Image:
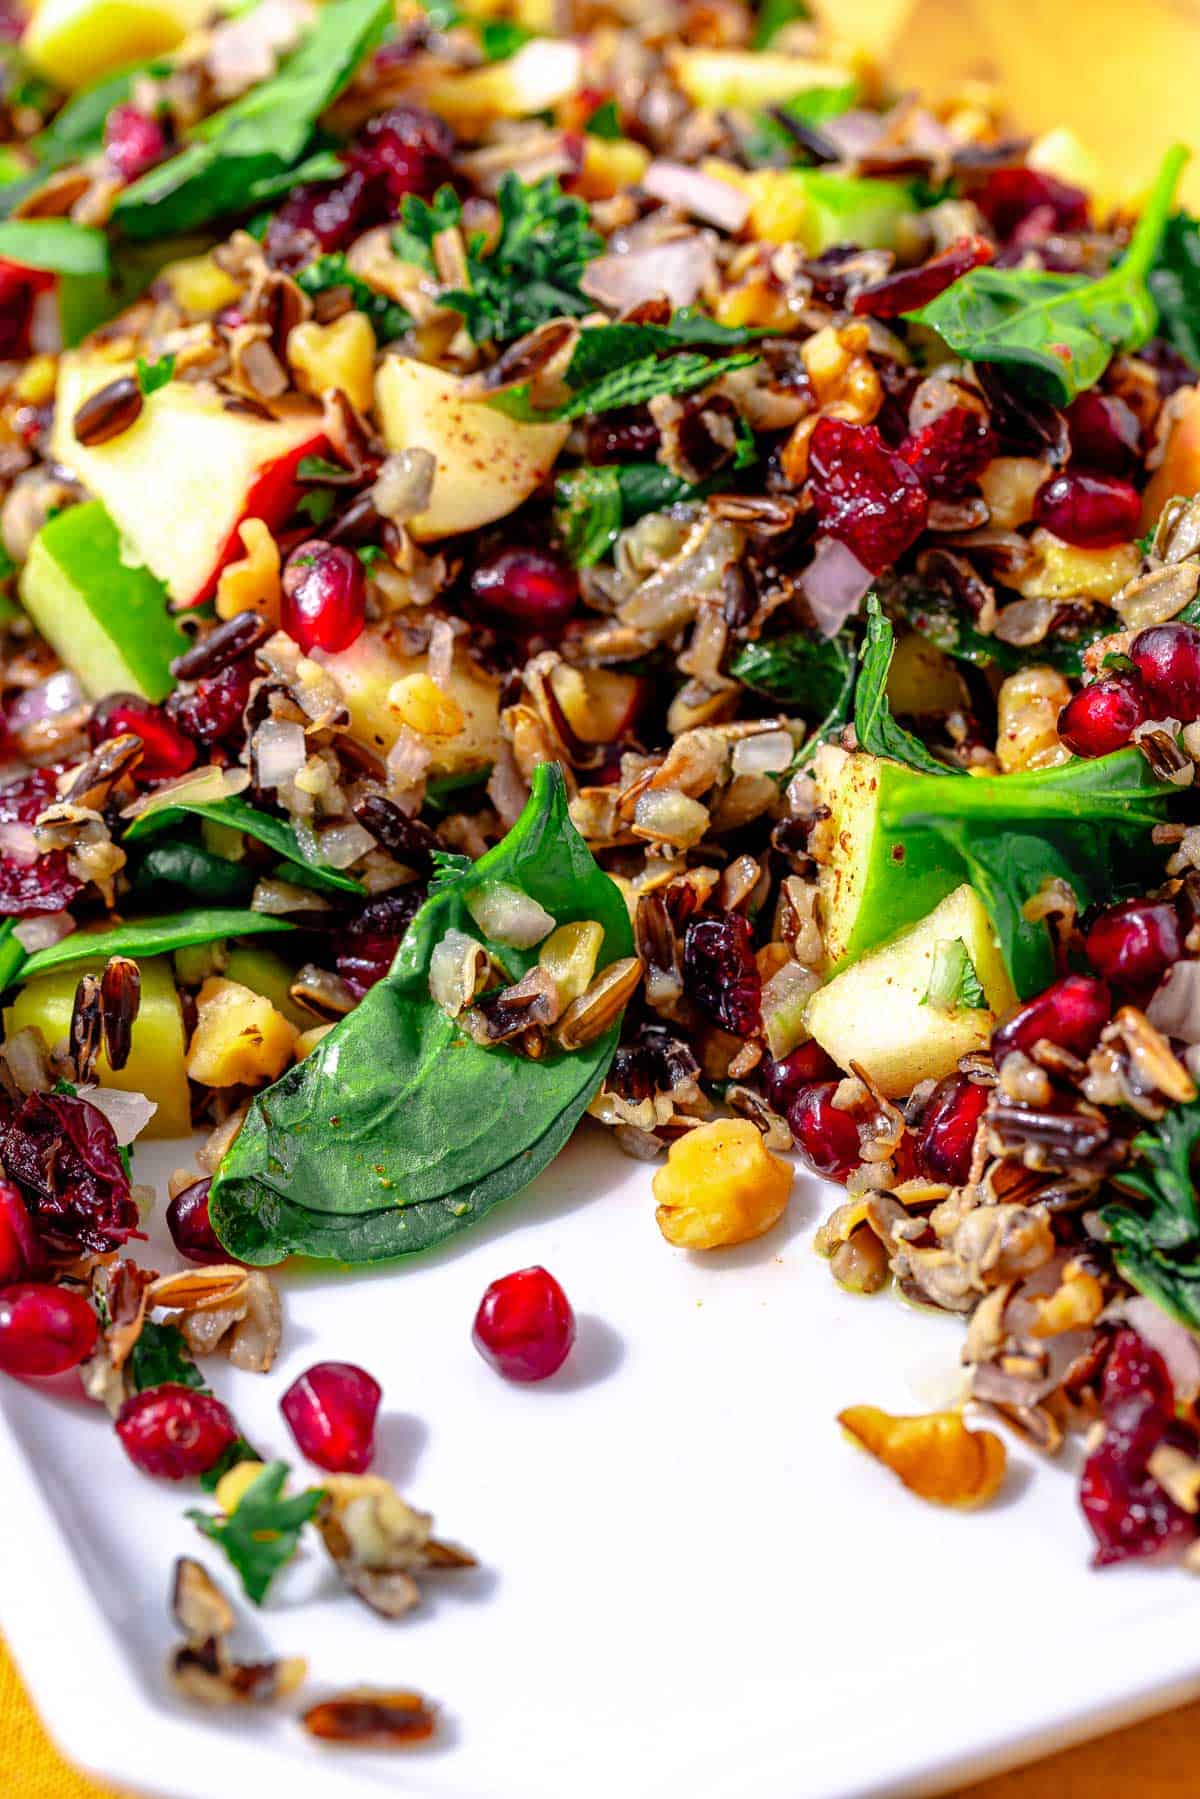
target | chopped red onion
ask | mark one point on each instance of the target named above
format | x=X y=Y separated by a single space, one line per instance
x=61 y=693
x=679 y=268
x=704 y=196
x=44 y=932
x=1175 y=1008
x=1173 y=1341
x=834 y=585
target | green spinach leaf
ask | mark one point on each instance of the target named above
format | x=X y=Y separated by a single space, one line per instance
x=238 y=815
x=931 y=617
x=398 y=1131
x=877 y=730
x=1175 y=284
x=1063 y=330
x=193 y=870
x=1157 y=1246
x=161 y=1355
x=808 y=672
x=262 y=1533
x=12 y=954
x=57 y=245
x=138 y=937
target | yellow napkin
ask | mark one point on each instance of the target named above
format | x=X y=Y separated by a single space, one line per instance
x=30 y=1765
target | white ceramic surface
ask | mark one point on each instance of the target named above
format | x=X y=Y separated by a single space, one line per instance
x=692 y=1587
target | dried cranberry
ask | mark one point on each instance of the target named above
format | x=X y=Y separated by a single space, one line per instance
x=1105 y=433
x=133 y=141
x=911 y=289
x=174 y=1432
x=331 y=1413
x=529 y=589
x=1091 y=511
x=1133 y=943
x=865 y=494
x=1135 y=1370
x=369 y=943
x=29 y=882
x=44 y=1330
x=825 y=1136
x=1103 y=717
x=324 y=596
x=524 y=1326
x=19 y=288
x=191 y=1227
x=628 y=434
x=1130 y=1514
x=320 y=217
x=212 y=711
x=407 y=148
x=721 y=975
x=1070 y=1013
x=950 y=453
x=781 y=1079
x=20 y=1250
x=1167 y=658
x=63 y=1154
x=948 y=1125
x=166 y=752
x=1010 y=196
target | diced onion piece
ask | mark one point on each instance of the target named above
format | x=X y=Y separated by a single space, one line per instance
x=60 y=693
x=706 y=197
x=455 y=969
x=767 y=754
x=667 y=816
x=569 y=956
x=1174 y=1342
x=834 y=583
x=785 y=998
x=34 y=934
x=678 y=268
x=202 y=787
x=280 y=751
x=129 y=1113
x=506 y=915
x=1175 y=1008
x=342 y=844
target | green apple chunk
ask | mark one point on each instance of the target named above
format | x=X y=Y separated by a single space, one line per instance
x=880 y=1014
x=877 y=878
x=845 y=209
x=108 y=622
x=156 y=1061
x=180 y=481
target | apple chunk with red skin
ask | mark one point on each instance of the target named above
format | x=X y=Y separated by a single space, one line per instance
x=181 y=480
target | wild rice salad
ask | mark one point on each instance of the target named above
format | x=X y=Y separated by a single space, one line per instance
x=561 y=561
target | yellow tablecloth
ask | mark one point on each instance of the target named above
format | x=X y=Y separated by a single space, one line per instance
x=1155 y=1760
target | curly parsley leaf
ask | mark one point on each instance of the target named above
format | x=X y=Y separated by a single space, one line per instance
x=421 y=223
x=1063 y=330
x=388 y=317
x=877 y=730
x=1174 y=282
x=1157 y=1247
x=262 y=1533
x=153 y=375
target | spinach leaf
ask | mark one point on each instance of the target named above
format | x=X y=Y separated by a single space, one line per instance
x=1157 y=1247
x=1063 y=329
x=260 y=136
x=810 y=673
x=152 y=937
x=501 y=38
x=194 y=870
x=238 y=815
x=877 y=730
x=262 y=1533
x=398 y=1131
x=57 y=245
x=1174 y=282
x=633 y=385
x=773 y=15
x=389 y=319
x=588 y=513
x=161 y=1355
x=12 y=954
x=75 y=133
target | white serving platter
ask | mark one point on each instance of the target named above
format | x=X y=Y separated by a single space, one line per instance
x=691 y=1585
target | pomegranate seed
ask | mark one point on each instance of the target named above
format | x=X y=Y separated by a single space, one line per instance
x=781 y=1079
x=826 y=1136
x=1010 y=196
x=20 y=1249
x=1103 y=717
x=213 y=712
x=865 y=494
x=1091 y=511
x=44 y=1330
x=721 y=975
x=524 y=1326
x=174 y=1432
x=529 y=589
x=407 y=148
x=191 y=1228
x=324 y=596
x=947 y=1135
x=1105 y=433
x=914 y=288
x=133 y=141
x=1135 y=942
x=1167 y=658
x=331 y=1413
x=950 y=453
x=1070 y=1013
x=166 y=752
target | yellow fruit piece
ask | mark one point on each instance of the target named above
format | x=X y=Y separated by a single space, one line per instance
x=426 y=708
x=721 y=1185
x=754 y=302
x=264 y=972
x=569 y=956
x=367 y=672
x=232 y=1488
x=750 y=78
x=923 y=682
x=1027 y=709
x=935 y=1455
x=1179 y=471
x=37 y=381
x=1008 y=484
x=239 y=1039
x=1065 y=572
x=155 y=1065
x=543 y=72
x=609 y=166
x=338 y=355
x=77 y=41
x=199 y=284
x=779 y=207
x=252 y=583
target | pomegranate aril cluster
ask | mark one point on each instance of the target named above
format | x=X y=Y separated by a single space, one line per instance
x=525 y=590
x=1102 y=717
x=1070 y=1014
x=1166 y=660
x=191 y=1227
x=946 y=1138
x=1133 y=943
x=133 y=141
x=1092 y=511
x=825 y=1135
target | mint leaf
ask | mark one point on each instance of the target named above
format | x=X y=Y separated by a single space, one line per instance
x=1157 y=1245
x=588 y=513
x=1174 y=282
x=153 y=375
x=877 y=731
x=262 y=1534
x=603 y=349
x=634 y=385
x=388 y=318
x=605 y=121
x=161 y=1355
x=807 y=672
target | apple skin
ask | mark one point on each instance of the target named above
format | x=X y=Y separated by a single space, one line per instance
x=273 y=498
x=1179 y=471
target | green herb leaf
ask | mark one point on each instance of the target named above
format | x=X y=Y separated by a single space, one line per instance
x=877 y=730
x=195 y=871
x=398 y=1131
x=501 y=38
x=239 y=816
x=808 y=672
x=153 y=375
x=768 y=141
x=588 y=513
x=389 y=319
x=57 y=245
x=12 y=954
x=605 y=121
x=955 y=635
x=139 y=937
x=634 y=385
x=421 y=221
x=1062 y=329
x=1157 y=1246
x=953 y=982
x=261 y=136
x=262 y=1533
x=161 y=1355
x=773 y=15
x=606 y=349
x=1174 y=282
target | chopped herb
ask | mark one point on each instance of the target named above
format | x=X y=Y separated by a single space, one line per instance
x=161 y=1355
x=153 y=375
x=605 y=121
x=773 y=15
x=633 y=385
x=501 y=38
x=809 y=673
x=1157 y=1248
x=262 y=1533
x=589 y=513
x=1175 y=283
x=320 y=468
x=768 y=140
x=369 y=554
x=953 y=982
x=606 y=349
x=877 y=730
x=388 y=318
